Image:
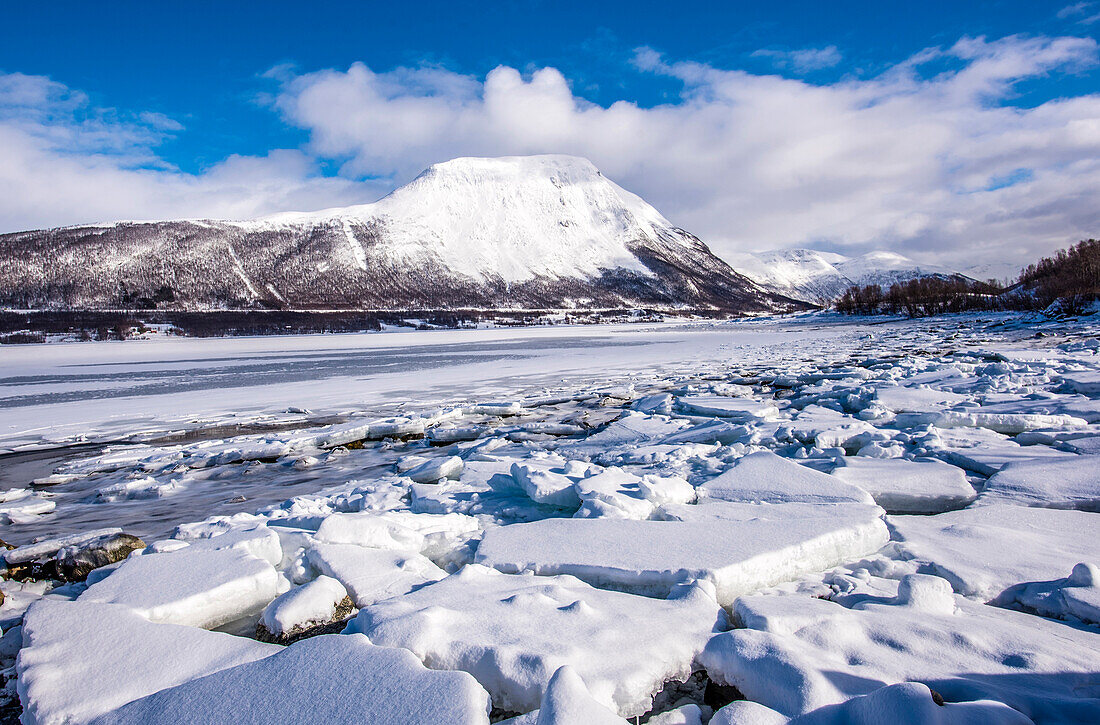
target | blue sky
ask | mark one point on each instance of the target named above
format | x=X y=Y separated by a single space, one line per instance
x=143 y=110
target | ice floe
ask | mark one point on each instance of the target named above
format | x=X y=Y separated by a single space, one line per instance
x=480 y=621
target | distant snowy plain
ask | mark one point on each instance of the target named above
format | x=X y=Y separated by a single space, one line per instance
x=813 y=519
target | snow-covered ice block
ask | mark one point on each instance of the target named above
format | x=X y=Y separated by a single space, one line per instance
x=373 y=574
x=545 y=485
x=81 y=660
x=1008 y=423
x=741 y=409
x=764 y=477
x=568 y=702
x=898 y=399
x=1085 y=382
x=1072 y=483
x=827 y=428
x=906 y=703
x=1076 y=597
x=370 y=529
x=986 y=452
x=657 y=403
x=797 y=654
x=21 y=506
x=329 y=679
x=713 y=431
x=49 y=547
x=197 y=588
x=259 y=541
x=982 y=550
x=512 y=632
x=613 y=492
x=436 y=468
x=926 y=486
x=498 y=409
x=297 y=610
x=738 y=547
x=634 y=428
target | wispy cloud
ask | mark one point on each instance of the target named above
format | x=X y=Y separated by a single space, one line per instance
x=803 y=60
x=66 y=161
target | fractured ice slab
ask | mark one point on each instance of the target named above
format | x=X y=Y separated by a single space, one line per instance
x=764 y=477
x=330 y=679
x=738 y=547
x=926 y=486
x=512 y=632
x=798 y=653
x=986 y=452
x=373 y=574
x=568 y=702
x=197 y=588
x=916 y=399
x=1071 y=483
x=982 y=550
x=740 y=409
x=80 y=660
x=1076 y=597
x=906 y=703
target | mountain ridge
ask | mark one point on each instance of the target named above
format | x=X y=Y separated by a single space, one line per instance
x=819 y=277
x=514 y=232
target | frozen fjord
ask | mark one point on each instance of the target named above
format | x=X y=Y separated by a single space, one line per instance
x=495 y=504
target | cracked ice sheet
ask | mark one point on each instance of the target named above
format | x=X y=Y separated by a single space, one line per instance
x=738 y=547
x=331 y=678
x=983 y=550
x=480 y=621
x=1073 y=483
x=151 y=384
x=797 y=654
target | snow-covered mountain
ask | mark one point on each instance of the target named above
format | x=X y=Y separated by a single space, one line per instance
x=505 y=233
x=812 y=276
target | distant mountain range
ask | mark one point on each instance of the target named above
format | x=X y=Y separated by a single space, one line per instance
x=537 y=232
x=817 y=277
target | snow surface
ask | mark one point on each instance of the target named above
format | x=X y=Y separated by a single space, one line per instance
x=796 y=654
x=982 y=550
x=480 y=621
x=925 y=486
x=764 y=477
x=376 y=685
x=80 y=660
x=736 y=547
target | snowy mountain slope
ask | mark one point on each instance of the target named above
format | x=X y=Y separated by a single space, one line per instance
x=813 y=276
x=507 y=233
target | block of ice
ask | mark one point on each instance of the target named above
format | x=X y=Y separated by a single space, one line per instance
x=925 y=486
x=197 y=588
x=982 y=550
x=738 y=547
x=764 y=477
x=330 y=679
x=482 y=622
x=80 y=660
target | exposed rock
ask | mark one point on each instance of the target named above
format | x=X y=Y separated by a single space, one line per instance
x=74 y=563
x=334 y=625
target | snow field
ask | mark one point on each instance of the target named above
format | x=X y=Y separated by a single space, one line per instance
x=801 y=524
